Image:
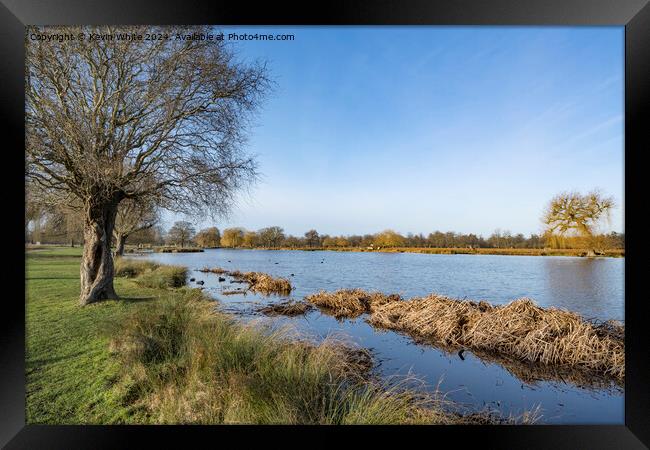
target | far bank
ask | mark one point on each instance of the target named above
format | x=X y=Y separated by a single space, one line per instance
x=610 y=253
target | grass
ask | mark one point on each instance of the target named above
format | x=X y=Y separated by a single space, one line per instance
x=166 y=356
x=130 y=268
x=69 y=371
x=519 y=330
x=164 y=277
x=150 y=274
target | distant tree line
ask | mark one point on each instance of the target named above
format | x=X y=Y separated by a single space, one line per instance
x=62 y=229
x=571 y=222
x=274 y=237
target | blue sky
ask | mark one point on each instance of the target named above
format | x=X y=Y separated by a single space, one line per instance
x=433 y=128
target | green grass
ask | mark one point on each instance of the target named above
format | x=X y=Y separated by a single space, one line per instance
x=166 y=356
x=69 y=369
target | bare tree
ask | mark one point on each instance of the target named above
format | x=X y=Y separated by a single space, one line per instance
x=133 y=215
x=271 y=236
x=109 y=120
x=574 y=214
x=312 y=238
x=181 y=232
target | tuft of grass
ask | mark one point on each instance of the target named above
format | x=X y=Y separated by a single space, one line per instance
x=130 y=268
x=164 y=277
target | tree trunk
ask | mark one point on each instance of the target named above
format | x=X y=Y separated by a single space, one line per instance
x=120 y=241
x=97 y=269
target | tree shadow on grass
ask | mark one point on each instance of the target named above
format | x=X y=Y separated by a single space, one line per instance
x=36 y=364
x=51 y=278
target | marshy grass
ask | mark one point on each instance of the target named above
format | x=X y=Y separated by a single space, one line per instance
x=289 y=308
x=259 y=282
x=350 y=302
x=265 y=283
x=184 y=363
x=520 y=330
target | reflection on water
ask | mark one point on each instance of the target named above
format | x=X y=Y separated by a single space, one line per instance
x=593 y=287
x=590 y=287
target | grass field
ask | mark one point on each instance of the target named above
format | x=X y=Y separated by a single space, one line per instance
x=68 y=367
x=164 y=355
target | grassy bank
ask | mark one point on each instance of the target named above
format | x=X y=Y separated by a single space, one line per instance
x=163 y=355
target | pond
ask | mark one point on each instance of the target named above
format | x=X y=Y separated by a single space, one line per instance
x=593 y=288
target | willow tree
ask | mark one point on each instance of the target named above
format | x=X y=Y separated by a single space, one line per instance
x=109 y=120
x=208 y=237
x=571 y=214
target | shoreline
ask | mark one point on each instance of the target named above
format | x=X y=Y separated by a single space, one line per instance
x=614 y=253
x=154 y=352
x=572 y=252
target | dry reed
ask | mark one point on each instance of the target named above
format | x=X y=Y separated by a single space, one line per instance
x=265 y=283
x=350 y=302
x=519 y=330
x=260 y=282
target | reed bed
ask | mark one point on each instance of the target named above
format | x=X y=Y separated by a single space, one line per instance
x=260 y=282
x=520 y=330
x=265 y=283
x=350 y=302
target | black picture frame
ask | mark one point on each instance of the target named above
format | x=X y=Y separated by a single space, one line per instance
x=633 y=14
